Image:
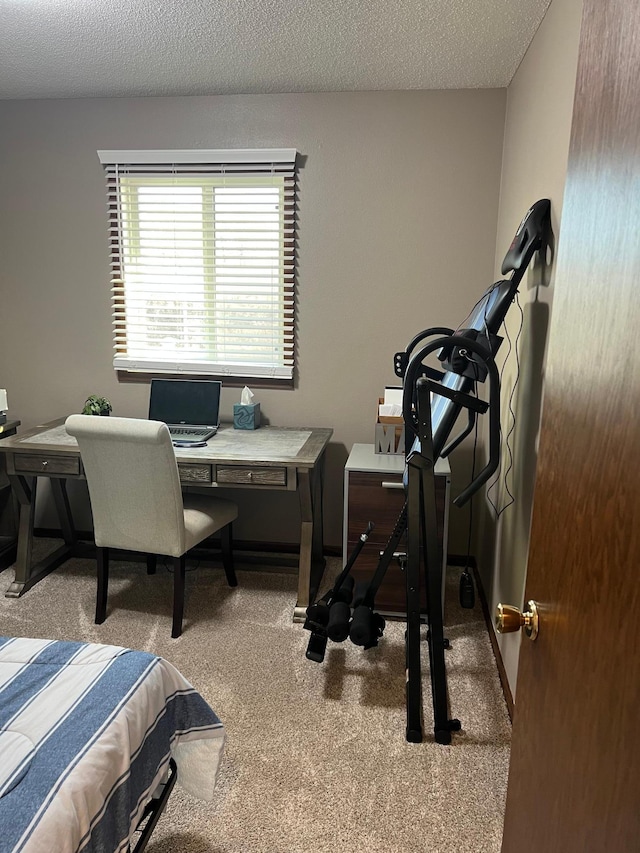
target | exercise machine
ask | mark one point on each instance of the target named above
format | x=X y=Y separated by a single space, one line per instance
x=433 y=400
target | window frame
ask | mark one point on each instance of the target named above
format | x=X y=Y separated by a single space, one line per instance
x=237 y=162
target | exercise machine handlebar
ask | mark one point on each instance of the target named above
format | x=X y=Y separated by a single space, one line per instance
x=415 y=370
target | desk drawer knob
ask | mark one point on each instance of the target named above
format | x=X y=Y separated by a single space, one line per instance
x=45 y=463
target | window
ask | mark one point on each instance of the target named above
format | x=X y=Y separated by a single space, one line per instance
x=202 y=248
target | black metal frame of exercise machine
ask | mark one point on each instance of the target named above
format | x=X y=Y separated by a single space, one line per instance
x=421 y=522
x=468 y=356
x=331 y=618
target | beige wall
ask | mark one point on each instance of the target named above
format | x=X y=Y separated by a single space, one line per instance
x=398 y=203
x=536 y=144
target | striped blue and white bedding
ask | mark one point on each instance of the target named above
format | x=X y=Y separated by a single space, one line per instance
x=86 y=735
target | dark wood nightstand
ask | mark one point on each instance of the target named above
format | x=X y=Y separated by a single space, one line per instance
x=373 y=492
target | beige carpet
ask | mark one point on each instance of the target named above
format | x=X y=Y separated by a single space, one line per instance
x=316 y=756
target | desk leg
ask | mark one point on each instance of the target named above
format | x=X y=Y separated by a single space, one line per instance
x=8 y=520
x=317 y=542
x=311 y=547
x=63 y=508
x=28 y=574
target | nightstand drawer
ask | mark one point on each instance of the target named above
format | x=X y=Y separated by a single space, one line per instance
x=33 y=463
x=392 y=595
x=377 y=498
x=374 y=493
x=251 y=476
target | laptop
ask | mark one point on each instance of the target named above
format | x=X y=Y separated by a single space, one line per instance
x=189 y=407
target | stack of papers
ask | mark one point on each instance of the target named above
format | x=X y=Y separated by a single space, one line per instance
x=392 y=403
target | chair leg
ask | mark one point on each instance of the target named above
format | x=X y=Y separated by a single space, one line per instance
x=178 y=594
x=226 y=542
x=151 y=564
x=103 y=582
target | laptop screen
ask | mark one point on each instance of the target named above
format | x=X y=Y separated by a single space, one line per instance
x=185 y=401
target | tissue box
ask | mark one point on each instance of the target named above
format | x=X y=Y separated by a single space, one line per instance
x=389 y=437
x=246 y=416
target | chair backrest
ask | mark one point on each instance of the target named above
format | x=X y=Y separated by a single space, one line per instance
x=134 y=484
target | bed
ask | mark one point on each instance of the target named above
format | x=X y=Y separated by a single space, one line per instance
x=88 y=734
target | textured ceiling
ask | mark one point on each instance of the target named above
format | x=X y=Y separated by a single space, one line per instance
x=105 y=48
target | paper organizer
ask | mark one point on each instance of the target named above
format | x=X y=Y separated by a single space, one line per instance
x=389 y=435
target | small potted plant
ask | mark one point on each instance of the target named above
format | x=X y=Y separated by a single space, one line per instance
x=94 y=405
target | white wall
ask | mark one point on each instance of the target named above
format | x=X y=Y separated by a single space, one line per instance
x=536 y=145
x=398 y=202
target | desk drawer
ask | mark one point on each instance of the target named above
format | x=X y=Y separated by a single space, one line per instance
x=251 y=476
x=194 y=473
x=33 y=463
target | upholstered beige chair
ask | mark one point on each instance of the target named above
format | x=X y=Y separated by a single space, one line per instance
x=137 y=502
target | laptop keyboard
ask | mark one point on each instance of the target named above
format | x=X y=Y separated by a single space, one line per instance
x=193 y=432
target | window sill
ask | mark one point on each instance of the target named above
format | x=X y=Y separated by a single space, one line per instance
x=126 y=376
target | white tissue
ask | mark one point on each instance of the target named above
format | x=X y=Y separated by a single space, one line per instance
x=3 y=400
x=246 y=397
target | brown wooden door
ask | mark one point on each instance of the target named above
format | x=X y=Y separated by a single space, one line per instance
x=575 y=759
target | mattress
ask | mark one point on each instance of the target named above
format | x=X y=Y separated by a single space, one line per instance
x=87 y=732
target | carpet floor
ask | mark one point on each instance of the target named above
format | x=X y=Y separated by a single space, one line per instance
x=316 y=757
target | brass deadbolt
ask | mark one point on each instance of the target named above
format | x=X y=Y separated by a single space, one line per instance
x=510 y=618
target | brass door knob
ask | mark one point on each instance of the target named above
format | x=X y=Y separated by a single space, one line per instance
x=510 y=618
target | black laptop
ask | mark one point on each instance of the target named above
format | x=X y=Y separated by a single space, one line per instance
x=189 y=407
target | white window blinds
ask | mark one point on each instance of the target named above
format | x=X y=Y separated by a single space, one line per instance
x=202 y=247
